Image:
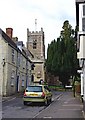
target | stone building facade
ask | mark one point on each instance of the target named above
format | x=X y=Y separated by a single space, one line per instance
x=80 y=23
x=15 y=64
x=35 y=44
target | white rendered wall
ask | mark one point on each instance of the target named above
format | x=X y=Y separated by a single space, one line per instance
x=80 y=17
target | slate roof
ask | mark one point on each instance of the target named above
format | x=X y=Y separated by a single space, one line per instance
x=7 y=39
x=11 y=43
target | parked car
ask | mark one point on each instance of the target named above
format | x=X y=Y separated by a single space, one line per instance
x=68 y=86
x=37 y=93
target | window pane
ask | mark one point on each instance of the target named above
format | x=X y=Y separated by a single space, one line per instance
x=34 y=89
x=83 y=24
x=12 y=51
x=22 y=83
x=34 y=45
x=13 y=56
x=83 y=10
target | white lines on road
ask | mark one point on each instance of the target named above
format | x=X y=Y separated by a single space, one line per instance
x=73 y=105
x=65 y=102
x=58 y=97
x=69 y=109
x=47 y=106
x=47 y=117
x=39 y=113
x=9 y=99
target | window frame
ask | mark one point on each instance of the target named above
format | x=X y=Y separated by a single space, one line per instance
x=12 y=77
x=13 y=56
x=34 y=44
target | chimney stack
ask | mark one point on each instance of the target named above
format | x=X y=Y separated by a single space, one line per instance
x=9 y=32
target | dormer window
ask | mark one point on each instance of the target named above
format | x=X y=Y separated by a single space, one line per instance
x=34 y=44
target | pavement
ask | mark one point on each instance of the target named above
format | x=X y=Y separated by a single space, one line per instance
x=8 y=98
x=72 y=106
x=66 y=106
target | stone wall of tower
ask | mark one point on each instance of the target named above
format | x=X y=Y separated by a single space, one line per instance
x=38 y=37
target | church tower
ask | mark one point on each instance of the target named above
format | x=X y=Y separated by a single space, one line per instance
x=35 y=44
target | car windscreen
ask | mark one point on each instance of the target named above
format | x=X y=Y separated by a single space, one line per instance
x=34 y=89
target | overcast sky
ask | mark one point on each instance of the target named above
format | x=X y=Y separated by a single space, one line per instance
x=50 y=15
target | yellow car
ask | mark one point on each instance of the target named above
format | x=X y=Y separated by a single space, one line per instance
x=37 y=93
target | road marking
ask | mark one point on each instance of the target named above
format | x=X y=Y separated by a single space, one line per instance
x=46 y=107
x=73 y=105
x=9 y=99
x=65 y=102
x=47 y=117
x=58 y=97
x=69 y=109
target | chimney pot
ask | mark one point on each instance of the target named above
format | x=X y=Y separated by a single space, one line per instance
x=9 y=32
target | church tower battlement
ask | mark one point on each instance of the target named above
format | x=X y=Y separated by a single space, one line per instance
x=35 y=43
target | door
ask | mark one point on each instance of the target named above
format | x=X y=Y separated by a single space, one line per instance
x=17 y=84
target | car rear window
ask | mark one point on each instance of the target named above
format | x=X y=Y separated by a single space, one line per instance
x=34 y=88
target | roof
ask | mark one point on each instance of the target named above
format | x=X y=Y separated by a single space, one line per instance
x=7 y=38
x=11 y=43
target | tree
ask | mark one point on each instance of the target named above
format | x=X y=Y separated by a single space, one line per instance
x=61 y=54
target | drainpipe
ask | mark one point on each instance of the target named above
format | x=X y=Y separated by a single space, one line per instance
x=82 y=86
x=3 y=77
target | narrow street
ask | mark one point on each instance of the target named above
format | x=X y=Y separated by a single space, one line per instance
x=14 y=108
x=64 y=105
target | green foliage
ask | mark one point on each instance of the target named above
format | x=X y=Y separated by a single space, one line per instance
x=61 y=54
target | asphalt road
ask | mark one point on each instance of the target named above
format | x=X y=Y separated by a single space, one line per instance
x=64 y=105
x=14 y=108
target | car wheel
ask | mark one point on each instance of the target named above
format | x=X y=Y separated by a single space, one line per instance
x=25 y=103
x=50 y=100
